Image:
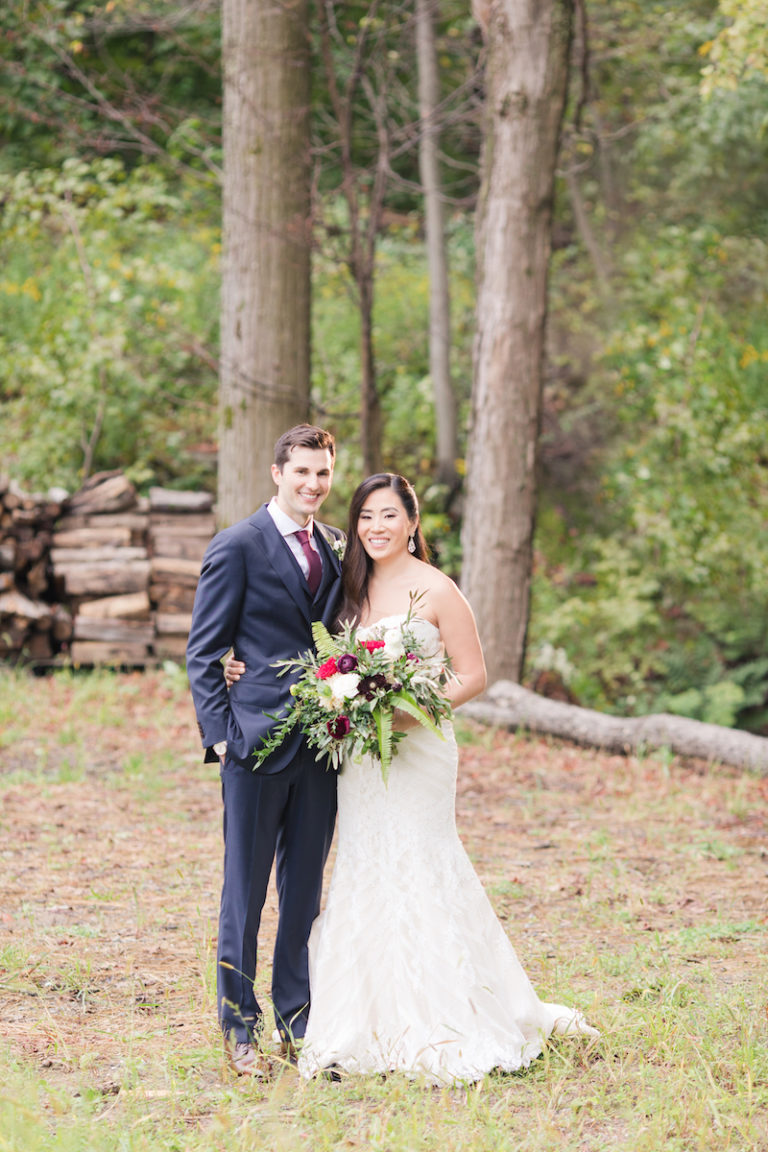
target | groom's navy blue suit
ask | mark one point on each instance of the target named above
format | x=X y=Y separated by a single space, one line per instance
x=253 y=597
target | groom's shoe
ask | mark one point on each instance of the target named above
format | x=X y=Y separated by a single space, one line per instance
x=289 y=1047
x=245 y=1060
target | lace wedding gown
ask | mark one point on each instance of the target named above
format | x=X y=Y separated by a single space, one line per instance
x=409 y=967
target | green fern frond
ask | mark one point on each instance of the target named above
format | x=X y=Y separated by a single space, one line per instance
x=323 y=640
x=407 y=702
x=383 y=718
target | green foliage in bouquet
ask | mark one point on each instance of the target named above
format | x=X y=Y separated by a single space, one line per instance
x=348 y=689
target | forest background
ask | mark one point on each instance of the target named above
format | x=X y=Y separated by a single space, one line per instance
x=649 y=591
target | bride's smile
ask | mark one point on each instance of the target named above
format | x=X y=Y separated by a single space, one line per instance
x=383 y=526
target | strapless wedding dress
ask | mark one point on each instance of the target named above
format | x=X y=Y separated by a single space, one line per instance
x=409 y=967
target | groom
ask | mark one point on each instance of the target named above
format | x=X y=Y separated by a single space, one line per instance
x=262 y=584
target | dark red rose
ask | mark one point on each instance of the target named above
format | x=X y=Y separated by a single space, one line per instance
x=339 y=727
x=346 y=663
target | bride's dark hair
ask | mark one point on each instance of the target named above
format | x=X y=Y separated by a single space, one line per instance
x=357 y=566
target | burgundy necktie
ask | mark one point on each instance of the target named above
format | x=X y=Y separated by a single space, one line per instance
x=314 y=561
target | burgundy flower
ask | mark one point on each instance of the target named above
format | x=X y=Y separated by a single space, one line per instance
x=339 y=727
x=346 y=663
x=370 y=685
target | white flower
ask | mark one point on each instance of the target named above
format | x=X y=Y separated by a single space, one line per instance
x=339 y=547
x=394 y=647
x=343 y=687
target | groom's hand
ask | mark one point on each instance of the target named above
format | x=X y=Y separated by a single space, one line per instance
x=233 y=670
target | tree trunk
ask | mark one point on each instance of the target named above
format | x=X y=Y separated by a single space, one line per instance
x=437 y=260
x=526 y=80
x=508 y=705
x=265 y=333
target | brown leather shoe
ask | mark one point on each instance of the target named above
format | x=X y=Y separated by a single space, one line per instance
x=245 y=1060
x=289 y=1051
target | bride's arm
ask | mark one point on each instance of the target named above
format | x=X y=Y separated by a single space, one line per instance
x=458 y=630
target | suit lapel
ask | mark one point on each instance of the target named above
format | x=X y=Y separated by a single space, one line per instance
x=279 y=555
x=331 y=563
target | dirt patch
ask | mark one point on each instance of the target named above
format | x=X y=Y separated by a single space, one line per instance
x=111 y=853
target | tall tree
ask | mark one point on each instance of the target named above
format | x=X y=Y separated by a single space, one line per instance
x=437 y=259
x=265 y=307
x=528 y=50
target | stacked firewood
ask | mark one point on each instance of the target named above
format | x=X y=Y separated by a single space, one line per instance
x=100 y=568
x=181 y=525
x=29 y=622
x=101 y=577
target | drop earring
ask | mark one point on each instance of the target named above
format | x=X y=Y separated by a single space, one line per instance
x=411 y=545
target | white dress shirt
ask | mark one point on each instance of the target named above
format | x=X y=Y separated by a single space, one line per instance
x=288 y=529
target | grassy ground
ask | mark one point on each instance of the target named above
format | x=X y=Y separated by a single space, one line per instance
x=633 y=888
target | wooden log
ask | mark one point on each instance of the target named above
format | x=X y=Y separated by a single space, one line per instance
x=175 y=571
x=7 y=555
x=12 y=497
x=135 y=522
x=36 y=579
x=189 y=524
x=29 y=551
x=173 y=623
x=119 y=536
x=14 y=605
x=104 y=492
x=37 y=646
x=133 y=606
x=12 y=636
x=169 y=500
x=44 y=513
x=6 y=581
x=113 y=631
x=177 y=547
x=509 y=705
x=105 y=579
x=63 y=625
x=67 y=557
x=88 y=652
x=172 y=598
x=170 y=648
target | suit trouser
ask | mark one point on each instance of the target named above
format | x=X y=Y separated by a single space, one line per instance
x=288 y=816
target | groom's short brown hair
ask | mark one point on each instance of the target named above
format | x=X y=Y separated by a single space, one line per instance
x=303 y=436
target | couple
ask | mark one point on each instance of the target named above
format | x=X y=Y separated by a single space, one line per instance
x=408 y=966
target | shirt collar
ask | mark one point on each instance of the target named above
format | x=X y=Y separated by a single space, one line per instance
x=285 y=525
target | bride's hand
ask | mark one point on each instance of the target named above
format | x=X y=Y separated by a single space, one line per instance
x=403 y=721
x=233 y=670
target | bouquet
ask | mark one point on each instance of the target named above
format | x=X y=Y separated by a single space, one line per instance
x=348 y=689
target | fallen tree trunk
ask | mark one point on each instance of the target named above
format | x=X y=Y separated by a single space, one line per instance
x=508 y=705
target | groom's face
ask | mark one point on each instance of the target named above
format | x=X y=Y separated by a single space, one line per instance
x=303 y=482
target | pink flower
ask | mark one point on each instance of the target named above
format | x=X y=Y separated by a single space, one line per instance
x=329 y=668
x=372 y=645
x=339 y=727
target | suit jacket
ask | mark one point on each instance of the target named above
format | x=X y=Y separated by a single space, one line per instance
x=253 y=597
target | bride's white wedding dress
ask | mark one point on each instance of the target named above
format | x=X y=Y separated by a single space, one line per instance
x=409 y=967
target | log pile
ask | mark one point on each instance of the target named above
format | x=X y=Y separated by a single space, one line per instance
x=180 y=527
x=101 y=577
x=28 y=622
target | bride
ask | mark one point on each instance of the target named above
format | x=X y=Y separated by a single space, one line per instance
x=409 y=967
